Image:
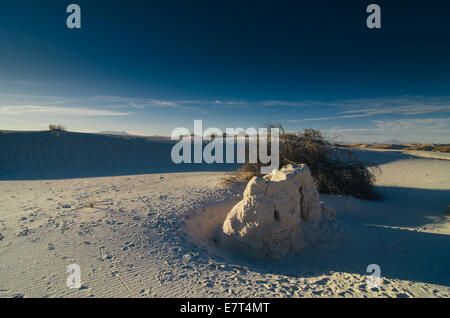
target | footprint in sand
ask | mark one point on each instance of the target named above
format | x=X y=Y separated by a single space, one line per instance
x=24 y=232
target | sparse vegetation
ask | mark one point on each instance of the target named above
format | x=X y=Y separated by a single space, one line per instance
x=419 y=147
x=91 y=203
x=56 y=127
x=335 y=170
x=442 y=149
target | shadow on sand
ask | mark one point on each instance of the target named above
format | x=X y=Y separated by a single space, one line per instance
x=391 y=233
x=63 y=155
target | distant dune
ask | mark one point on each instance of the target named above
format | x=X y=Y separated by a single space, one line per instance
x=443 y=148
x=61 y=154
x=118 y=133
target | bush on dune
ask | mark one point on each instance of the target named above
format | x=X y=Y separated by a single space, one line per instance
x=56 y=127
x=442 y=149
x=335 y=170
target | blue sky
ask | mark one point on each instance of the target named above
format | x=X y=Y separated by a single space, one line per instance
x=147 y=67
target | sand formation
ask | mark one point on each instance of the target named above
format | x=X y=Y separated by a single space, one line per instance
x=268 y=220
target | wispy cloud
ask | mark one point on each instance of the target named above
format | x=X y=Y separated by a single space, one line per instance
x=95 y=101
x=348 y=108
x=269 y=103
x=357 y=108
x=57 y=110
x=134 y=102
x=413 y=124
x=389 y=127
x=325 y=118
x=401 y=110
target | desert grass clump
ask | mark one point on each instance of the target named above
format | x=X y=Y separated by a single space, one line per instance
x=56 y=127
x=91 y=203
x=335 y=170
x=442 y=149
x=243 y=173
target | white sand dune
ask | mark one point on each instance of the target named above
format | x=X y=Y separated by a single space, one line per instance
x=141 y=235
x=59 y=154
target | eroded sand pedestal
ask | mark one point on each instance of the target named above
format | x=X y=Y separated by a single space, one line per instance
x=267 y=222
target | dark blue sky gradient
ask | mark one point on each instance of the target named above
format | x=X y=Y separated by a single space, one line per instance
x=240 y=51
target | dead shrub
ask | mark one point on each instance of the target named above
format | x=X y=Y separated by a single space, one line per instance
x=56 y=127
x=336 y=170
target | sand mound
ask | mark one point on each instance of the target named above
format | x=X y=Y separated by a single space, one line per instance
x=267 y=221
